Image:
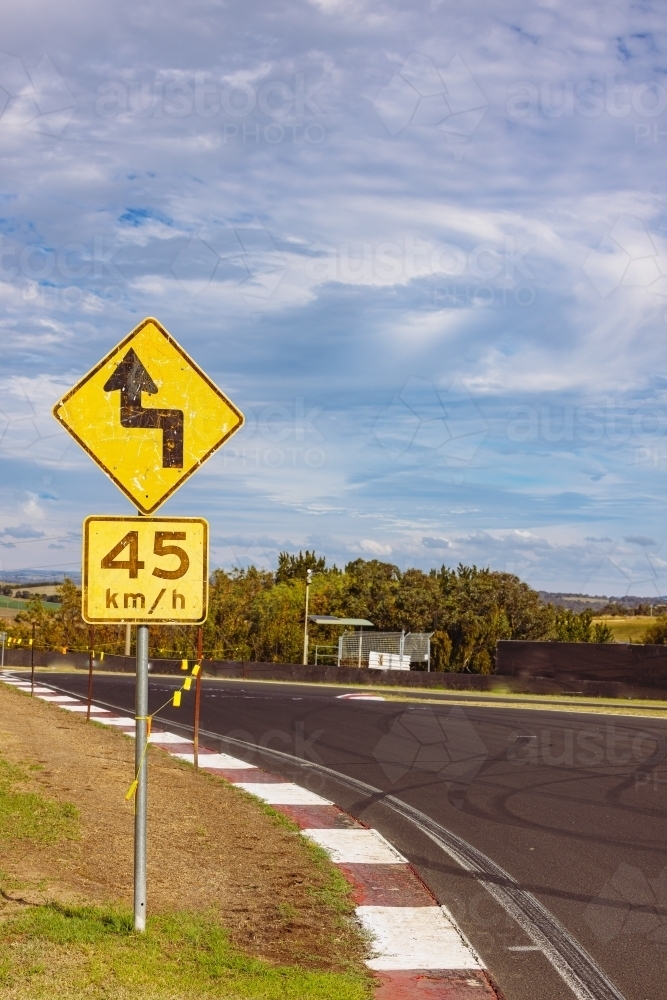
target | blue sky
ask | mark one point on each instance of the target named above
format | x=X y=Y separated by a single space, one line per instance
x=422 y=246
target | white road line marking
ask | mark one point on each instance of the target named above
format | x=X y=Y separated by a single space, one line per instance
x=360 y=847
x=415 y=937
x=220 y=760
x=283 y=793
x=523 y=947
x=360 y=697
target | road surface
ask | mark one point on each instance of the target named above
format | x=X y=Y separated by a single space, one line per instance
x=571 y=806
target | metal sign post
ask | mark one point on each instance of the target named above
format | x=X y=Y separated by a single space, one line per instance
x=141 y=772
x=200 y=654
x=3 y=638
x=309 y=577
x=32 y=663
x=91 y=653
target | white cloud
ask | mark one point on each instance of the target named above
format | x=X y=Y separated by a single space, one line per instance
x=533 y=271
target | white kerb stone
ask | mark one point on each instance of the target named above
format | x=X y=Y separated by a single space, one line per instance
x=415 y=937
x=283 y=793
x=356 y=847
x=219 y=760
x=94 y=710
x=166 y=738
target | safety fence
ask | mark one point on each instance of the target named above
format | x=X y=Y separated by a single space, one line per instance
x=361 y=649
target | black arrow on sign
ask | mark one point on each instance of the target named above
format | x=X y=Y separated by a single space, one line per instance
x=132 y=379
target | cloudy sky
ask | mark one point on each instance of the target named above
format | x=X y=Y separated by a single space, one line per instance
x=423 y=247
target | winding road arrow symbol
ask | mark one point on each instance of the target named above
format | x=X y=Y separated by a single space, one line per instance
x=132 y=379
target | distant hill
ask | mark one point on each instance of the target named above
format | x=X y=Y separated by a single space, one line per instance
x=579 y=602
x=37 y=577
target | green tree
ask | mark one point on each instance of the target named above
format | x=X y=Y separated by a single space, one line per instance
x=571 y=627
x=602 y=633
x=478 y=607
x=656 y=634
x=292 y=567
x=441 y=651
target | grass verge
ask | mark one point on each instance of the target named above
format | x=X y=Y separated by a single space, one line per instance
x=92 y=952
x=252 y=911
x=27 y=815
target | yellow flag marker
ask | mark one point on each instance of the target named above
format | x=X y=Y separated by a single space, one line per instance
x=132 y=790
x=101 y=656
x=177 y=699
x=63 y=650
x=184 y=664
x=196 y=669
x=186 y=683
x=30 y=641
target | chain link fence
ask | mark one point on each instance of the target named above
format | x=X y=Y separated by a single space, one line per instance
x=355 y=648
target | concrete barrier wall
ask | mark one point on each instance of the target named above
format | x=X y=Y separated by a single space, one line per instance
x=607 y=670
x=630 y=669
x=258 y=671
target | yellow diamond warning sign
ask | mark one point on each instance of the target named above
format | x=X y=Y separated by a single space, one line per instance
x=148 y=415
x=145 y=569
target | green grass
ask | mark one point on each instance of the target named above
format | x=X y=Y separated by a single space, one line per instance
x=29 y=815
x=20 y=604
x=630 y=629
x=92 y=952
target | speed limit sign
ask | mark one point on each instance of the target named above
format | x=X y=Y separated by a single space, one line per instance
x=145 y=569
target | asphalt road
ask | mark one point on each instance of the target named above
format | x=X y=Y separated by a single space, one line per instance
x=572 y=806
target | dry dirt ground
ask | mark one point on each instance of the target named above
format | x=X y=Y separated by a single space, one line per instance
x=210 y=846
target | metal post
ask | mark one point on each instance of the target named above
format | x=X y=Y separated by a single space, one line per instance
x=340 y=650
x=91 y=640
x=200 y=645
x=309 y=576
x=128 y=639
x=141 y=771
x=3 y=635
x=32 y=663
x=361 y=632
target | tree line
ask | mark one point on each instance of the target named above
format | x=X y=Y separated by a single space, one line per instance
x=256 y=614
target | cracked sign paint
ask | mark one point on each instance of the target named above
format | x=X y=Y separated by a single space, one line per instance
x=148 y=415
x=145 y=569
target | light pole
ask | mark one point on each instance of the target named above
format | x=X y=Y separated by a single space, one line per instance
x=309 y=577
